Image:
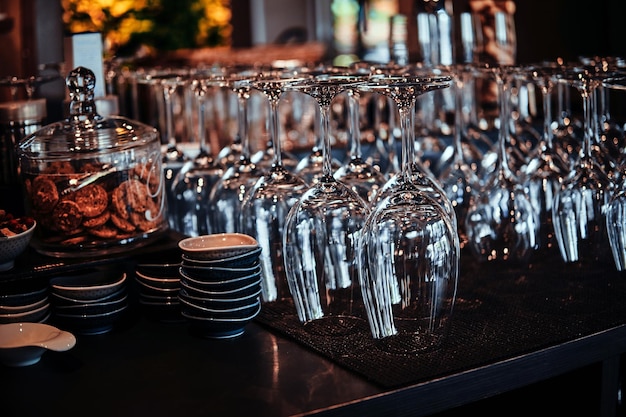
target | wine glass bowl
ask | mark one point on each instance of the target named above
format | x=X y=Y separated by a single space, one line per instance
x=409 y=250
x=501 y=223
x=322 y=229
x=265 y=207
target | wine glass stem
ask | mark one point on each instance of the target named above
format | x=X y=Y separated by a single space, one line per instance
x=242 y=122
x=325 y=134
x=169 y=117
x=503 y=134
x=589 y=122
x=201 y=118
x=407 y=121
x=278 y=158
x=546 y=93
x=458 y=118
x=355 y=132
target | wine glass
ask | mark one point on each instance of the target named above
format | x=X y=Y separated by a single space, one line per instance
x=409 y=250
x=174 y=158
x=501 y=223
x=545 y=169
x=228 y=193
x=193 y=183
x=579 y=207
x=322 y=232
x=356 y=172
x=458 y=180
x=265 y=207
x=616 y=208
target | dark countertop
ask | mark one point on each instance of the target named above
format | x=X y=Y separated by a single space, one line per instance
x=531 y=324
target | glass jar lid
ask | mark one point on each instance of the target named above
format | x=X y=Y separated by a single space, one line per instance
x=85 y=131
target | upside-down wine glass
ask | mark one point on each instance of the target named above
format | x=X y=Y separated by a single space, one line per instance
x=579 y=209
x=459 y=180
x=229 y=192
x=356 y=172
x=322 y=233
x=174 y=158
x=409 y=250
x=501 y=223
x=616 y=209
x=193 y=183
x=265 y=208
x=545 y=169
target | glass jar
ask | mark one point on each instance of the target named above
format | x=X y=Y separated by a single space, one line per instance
x=94 y=185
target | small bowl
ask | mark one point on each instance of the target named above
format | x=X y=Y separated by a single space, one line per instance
x=23 y=344
x=30 y=316
x=217 y=246
x=89 y=286
x=25 y=307
x=216 y=273
x=93 y=308
x=165 y=283
x=62 y=300
x=213 y=328
x=223 y=285
x=218 y=313
x=12 y=246
x=148 y=289
x=20 y=293
x=241 y=291
x=242 y=260
x=220 y=304
x=169 y=270
x=90 y=324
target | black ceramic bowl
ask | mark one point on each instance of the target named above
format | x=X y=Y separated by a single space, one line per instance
x=220 y=304
x=220 y=285
x=90 y=324
x=218 y=328
x=216 y=273
x=252 y=288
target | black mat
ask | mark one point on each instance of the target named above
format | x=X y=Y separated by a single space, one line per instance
x=500 y=312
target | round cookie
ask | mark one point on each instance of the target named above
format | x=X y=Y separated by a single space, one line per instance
x=122 y=224
x=105 y=231
x=44 y=194
x=92 y=200
x=98 y=220
x=130 y=196
x=67 y=216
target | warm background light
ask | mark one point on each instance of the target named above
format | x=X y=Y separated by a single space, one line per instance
x=131 y=27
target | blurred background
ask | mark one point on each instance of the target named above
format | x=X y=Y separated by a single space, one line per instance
x=32 y=32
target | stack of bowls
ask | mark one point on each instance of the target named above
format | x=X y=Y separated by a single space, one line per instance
x=24 y=302
x=89 y=303
x=158 y=286
x=220 y=283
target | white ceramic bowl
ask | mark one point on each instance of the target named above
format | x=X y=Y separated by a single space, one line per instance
x=12 y=246
x=23 y=344
x=217 y=246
